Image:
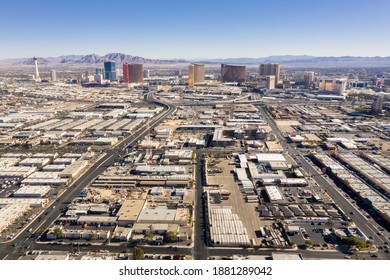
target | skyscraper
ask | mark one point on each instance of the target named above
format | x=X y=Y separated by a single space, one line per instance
x=110 y=70
x=191 y=75
x=136 y=73
x=146 y=74
x=199 y=73
x=232 y=73
x=377 y=105
x=37 y=78
x=195 y=74
x=270 y=82
x=340 y=86
x=53 y=75
x=98 y=78
x=269 y=69
x=126 y=77
x=325 y=84
x=308 y=78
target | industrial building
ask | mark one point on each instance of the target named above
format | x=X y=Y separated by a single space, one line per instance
x=11 y=212
x=74 y=169
x=129 y=211
x=32 y=191
x=168 y=169
x=16 y=171
x=226 y=228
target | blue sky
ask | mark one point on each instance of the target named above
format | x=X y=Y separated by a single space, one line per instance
x=194 y=28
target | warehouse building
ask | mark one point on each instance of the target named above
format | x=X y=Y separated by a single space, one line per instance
x=35 y=162
x=16 y=172
x=161 y=214
x=168 y=169
x=75 y=169
x=46 y=182
x=129 y=211
x=32 y=191
x=32 y=202
x=274 y=194
x=9 y=213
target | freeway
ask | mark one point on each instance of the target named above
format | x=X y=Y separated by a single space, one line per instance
x=25 y=240
x=261 y=101
x=368 y=227
x=12 y=250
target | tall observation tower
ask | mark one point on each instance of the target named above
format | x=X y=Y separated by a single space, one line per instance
x=37 y=78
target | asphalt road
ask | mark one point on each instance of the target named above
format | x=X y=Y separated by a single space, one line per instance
x=199 y=249
x=211 y=251
x=367 y=226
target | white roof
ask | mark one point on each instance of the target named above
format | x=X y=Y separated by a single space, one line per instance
x=242 y=158
x=157 y=214
x=273 y=193
x=268 y=157
x=32 y=190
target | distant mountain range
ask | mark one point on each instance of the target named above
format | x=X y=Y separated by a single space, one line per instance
x=284 y=60
x=309 y=61
x=92 y=59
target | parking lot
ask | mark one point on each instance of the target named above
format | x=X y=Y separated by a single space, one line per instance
x=318 y=234
x=246 y=211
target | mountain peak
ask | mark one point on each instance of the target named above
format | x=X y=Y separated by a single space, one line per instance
x=118 y=58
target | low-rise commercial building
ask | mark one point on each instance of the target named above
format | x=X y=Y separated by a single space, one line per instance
x=129 y=211
x=32 y=191
x=11 y=212
x=37 y=162
x=75 y=169
x=16 y=172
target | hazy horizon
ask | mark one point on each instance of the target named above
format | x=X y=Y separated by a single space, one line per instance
x=196 y=59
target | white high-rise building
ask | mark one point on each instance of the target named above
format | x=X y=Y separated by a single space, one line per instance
x=340 y=86
x=53 y=75
x=98 y=78
x=37 y=78
x=377 y=105
x=308 y=78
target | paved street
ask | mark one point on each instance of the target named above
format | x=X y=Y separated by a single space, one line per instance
x=367 y=226
x=200 y=250
x=11 y=250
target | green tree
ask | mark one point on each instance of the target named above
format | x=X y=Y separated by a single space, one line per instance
x=42 y=230
x=138 y=254
x=309 y=243
x=170 y=236
x=353 y=241
x=148 y=235
x=58 y=232
x=93 y=236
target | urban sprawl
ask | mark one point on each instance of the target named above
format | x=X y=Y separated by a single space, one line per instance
x=194 y=161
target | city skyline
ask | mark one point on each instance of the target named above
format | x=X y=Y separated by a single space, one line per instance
x=193 y=30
